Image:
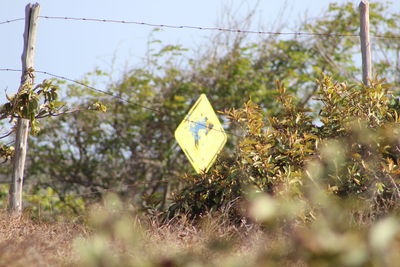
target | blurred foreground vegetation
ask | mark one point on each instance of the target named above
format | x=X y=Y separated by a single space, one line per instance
x=272 y=232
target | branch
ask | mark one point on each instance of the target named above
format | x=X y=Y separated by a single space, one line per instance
x=51 y=114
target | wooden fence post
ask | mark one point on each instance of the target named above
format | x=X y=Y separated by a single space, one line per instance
x=365 y=42
x=21 y=142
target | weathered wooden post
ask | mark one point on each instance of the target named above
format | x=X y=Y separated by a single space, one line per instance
x=365 y=42
x=28 y=56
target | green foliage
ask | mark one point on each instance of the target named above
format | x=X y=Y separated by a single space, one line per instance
x=26 y=103
x=352 y=147
x=3 y=196
x=46 y=204
x=35 y=103
x=31 y=103
x=6 y=152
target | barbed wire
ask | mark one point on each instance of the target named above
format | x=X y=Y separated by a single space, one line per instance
x=207 y=28
x=216 y=28
x=11 y=20
x=116 y=97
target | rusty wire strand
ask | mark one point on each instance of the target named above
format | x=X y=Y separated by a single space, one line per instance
x=208 y=28
x=11 y=20
x=216 y=28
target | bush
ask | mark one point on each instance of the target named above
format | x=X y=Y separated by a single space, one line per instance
x=350 y=147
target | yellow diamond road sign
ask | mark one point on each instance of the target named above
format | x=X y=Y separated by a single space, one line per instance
x=200 y=135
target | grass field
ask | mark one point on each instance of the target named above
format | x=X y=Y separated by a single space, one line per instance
x=26 y=242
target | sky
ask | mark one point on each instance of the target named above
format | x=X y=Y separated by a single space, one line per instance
x=73 y=48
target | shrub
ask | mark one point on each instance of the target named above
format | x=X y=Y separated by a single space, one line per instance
x=349 y=146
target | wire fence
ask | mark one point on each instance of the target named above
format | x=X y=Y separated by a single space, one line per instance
x=101 y=20
x=115 y=97
x=11 y=20
x=103 y=191
x=246 y=31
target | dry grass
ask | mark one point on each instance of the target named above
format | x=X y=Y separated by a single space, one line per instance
x=24 y=242
x=213 y=241
x=119 y=238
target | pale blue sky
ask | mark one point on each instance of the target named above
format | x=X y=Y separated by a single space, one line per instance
x=72 y=48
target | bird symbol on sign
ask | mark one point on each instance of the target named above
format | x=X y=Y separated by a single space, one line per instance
x=197 y=126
